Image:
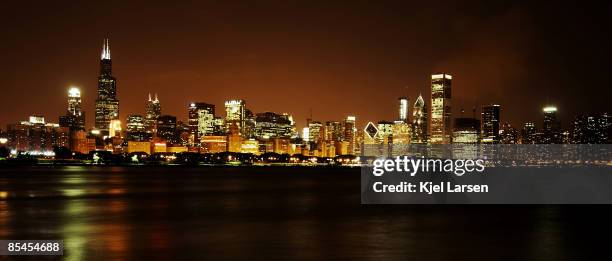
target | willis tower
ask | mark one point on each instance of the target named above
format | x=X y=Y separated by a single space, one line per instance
x=107 y=104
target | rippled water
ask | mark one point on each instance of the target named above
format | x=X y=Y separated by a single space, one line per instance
x=109 y=213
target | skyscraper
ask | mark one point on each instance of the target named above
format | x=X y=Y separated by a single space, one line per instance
x=75 y=117
x=490 y=123
x=529 y=133
x=107 y=104
x=419 y=121
x=466 y=130
x=440 y=121
x=271 y=125
x=152 y=114
x=403 y=109
x=166 y=129
x=551 y=129
x=591 y=129
x=136 y=129
x=235 y=114
x=201 y=120
x=349 y=134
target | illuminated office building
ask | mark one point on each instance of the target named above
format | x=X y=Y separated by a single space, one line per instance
x=403 y=109
x=314 y=132
x=385 y=131
x=306 y=134
x=219 y=126
x=36 y=136
x=370 y=134
x=401 y=132
x=332 y=132
x=135 y=127
x=166 y=129
x=419 y=121
x=440 y=117
x=490 y=123
x=201 y=119
x=466 y=131
x=270 y=125
x=152 y=113
x=235 y=114
x=349 y=134
x=591 y=129
x=508 y=134
x=529 y=133
x=75 y=117
x=551 y=128
x=107 y=104
x=114 y=128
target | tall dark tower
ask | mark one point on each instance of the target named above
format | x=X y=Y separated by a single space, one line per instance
x=107 y=104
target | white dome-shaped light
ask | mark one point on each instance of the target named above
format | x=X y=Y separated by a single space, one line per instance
x=74 y=92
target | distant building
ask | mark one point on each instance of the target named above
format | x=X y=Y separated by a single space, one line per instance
x=139 y=146
x=591 y=129
x=315 y=129
x=75 y=117
x=166 y=129
x=419 y=121
x=135 y=128
x=401 y=132
x=235 y=114
x=201 y=120
x=490 y=123
x=152 y=113
x=385 y=132
x=349 y=135
x=529 y=134
x=36 y=136
x=271 y=125
x=551 y=128
x=234 y=137
x=440 y=117
x=213 y=144
x=403 y=109
x=114 y=129
x=107 y=104
x=508 y=134
x=333 y=132
x=466 y=131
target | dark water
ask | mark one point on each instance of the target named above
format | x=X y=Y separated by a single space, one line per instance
x=273 y=213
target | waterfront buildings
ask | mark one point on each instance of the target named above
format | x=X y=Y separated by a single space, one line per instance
x=490 y=123
x=107 y=104
x=152 y=113
x=420 y=121
x=440 y=116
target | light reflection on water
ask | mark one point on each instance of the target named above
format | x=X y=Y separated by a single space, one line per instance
x=218 y=213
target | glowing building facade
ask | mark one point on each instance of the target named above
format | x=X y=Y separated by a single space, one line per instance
x=440 y=121
x=490 y=123
x=107 y=104
x=271 y=125
x=403 y=109
x=551 y=128
x=419 y=121
x=235 y=114
x=201 y=120
x=152 y=113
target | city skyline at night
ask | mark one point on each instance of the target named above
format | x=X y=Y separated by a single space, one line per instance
x=274 y=54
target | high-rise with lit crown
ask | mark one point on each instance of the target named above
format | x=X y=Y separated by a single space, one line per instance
x=419 y=121
x=107 y=104
x=152 y=113
x=440 y=117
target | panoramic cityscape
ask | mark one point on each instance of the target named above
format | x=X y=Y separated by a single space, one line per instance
x=239 y=135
